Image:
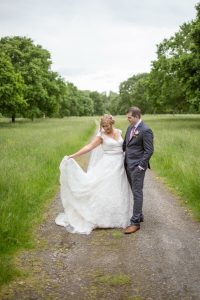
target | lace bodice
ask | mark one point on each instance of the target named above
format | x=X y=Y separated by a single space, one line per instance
x=111 y=145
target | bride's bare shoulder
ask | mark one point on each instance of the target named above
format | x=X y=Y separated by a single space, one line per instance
x=119 y=130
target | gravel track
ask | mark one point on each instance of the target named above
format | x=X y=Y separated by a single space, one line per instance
x=160 y=261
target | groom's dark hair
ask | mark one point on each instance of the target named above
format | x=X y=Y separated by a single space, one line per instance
x=135 y=111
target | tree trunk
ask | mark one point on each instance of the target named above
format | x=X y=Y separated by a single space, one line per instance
x=13 y=118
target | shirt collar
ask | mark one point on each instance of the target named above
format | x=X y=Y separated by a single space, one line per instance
x=138 y=123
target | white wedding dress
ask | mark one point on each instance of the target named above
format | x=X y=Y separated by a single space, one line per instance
x=100 y=197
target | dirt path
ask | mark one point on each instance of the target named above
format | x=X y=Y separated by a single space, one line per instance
x=161 y=261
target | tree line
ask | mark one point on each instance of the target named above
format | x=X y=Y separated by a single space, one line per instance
x=173 y=84
x=29 y=88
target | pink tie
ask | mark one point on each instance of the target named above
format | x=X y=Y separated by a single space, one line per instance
x=132 y=133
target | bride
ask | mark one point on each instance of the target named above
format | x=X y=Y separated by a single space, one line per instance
x=100 y=197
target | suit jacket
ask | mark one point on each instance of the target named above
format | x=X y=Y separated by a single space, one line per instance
x=140 y=148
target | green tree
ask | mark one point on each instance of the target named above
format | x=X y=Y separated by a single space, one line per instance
x=85 y=104
x=98 y=101
x=133 y=92
x=192 y=64
x=175 y=75
x=113 y=103
x=11 y=89
x=33 y=63
x=69 y=105
x=165 y=90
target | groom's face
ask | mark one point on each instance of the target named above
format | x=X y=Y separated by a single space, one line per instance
x=132 y=120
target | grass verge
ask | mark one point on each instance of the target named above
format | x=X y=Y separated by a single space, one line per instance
x=176 y=157
x=30 y=153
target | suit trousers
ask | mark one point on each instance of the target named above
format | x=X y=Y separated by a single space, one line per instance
x=136 y=180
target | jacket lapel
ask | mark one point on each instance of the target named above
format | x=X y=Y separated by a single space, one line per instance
x=138 y=128
x=128 y=134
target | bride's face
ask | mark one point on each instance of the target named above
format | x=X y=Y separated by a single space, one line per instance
x=107 y=127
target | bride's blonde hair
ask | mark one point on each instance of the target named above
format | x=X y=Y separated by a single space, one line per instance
x=107 y=119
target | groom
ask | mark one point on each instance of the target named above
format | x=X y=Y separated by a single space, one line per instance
x=138 y=148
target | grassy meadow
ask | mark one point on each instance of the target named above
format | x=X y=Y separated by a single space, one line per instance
x=176 y=157
x=30 y=153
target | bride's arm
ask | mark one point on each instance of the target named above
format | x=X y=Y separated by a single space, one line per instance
x=95 y=142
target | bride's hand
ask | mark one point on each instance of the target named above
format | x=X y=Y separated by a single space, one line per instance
x=69 y=156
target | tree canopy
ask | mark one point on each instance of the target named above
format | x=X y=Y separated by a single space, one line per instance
x=29 y=88
x=173 y=83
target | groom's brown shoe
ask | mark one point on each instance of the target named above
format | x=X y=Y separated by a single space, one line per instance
x=131 y=229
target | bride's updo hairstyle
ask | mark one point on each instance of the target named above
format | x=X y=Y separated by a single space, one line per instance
x=106 y=119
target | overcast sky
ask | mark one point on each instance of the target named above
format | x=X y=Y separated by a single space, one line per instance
x=96 y=44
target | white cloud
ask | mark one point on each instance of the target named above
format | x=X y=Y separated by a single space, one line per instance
x=96 y=44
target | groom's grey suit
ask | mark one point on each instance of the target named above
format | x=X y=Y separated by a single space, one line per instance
x=138 y=151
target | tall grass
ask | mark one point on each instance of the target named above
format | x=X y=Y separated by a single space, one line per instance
x=30 y=154
x=177 y=154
